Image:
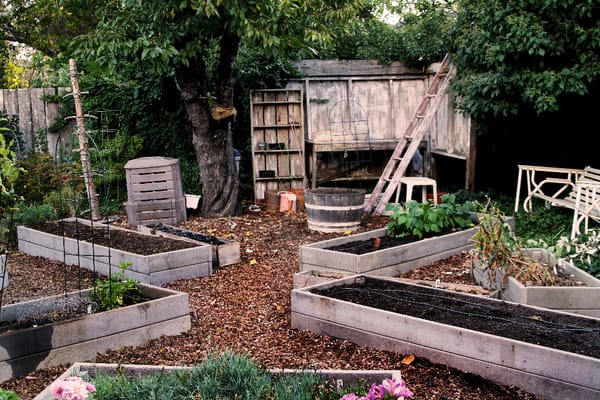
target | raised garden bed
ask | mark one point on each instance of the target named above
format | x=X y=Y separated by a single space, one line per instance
x=3 y=273
x=187 y=261
x=342 y=377
x=315 y=277
x=583 y=299
x=413 y=319
x=387 y=261
x=166 y=312
x=224 y=251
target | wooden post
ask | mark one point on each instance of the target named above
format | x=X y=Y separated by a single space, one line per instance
x=83 y=144
x=471 y=158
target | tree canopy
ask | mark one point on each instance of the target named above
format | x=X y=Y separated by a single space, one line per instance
x=514 y=57
x=197 y=43
x=525 y=56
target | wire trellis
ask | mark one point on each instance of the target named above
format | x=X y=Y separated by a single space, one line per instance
x=74 y=207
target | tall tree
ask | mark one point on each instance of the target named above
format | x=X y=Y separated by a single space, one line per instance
x=46 y=25
x=197 y=42
x=525 y=56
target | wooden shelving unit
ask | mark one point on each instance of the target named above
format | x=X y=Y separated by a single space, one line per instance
x=277 y=132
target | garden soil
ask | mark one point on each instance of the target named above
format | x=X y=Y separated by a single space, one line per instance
x=245 y=307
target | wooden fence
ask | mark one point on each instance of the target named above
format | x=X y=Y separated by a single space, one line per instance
x=33 y=111
x=387 y=97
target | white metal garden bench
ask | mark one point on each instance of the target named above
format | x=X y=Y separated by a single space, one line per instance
x=576 y=189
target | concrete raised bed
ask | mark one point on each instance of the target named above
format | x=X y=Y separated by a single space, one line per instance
x=342 y=377
x=225 y=252
x=80 y=339
x=388 y=262
x=541 y=370
x=155 y=269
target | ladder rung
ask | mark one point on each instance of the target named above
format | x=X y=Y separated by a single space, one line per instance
x=395 y=169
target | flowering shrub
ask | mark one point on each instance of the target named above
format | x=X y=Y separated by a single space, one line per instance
x=72 y=388
x=391 y=389
x=583 y=251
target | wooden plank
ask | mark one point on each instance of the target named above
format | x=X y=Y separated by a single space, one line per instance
x=378 y=325
x=11 y=102
x=324 y=68
x=155 y=186
x=25 y=123
x=140 y=206
x=38 y=111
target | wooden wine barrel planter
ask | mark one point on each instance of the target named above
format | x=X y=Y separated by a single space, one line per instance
x=334 y=209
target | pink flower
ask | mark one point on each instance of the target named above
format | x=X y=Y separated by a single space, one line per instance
x=72 y=388
x=377 y=392
x=396 y=387
x=389 y=387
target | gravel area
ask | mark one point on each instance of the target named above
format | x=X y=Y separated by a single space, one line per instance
x=246 y=307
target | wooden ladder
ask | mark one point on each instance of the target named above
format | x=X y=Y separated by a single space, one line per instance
x=409 y=143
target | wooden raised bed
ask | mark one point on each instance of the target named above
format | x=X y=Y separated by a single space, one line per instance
x=342 y=377
x=154 y=269
x=80 y=339
x=224 y=251
x=541 y=370
x=583 y=300
x=388 y=262
x=3 y=272
x=315 y=277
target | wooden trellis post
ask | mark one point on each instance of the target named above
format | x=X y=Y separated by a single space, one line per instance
x=83 y=144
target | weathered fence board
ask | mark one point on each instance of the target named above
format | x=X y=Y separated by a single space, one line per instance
x=33 y=111
x=390 y=96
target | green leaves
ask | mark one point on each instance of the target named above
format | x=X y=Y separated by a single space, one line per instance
x=116 y=291
x=518 y=57
x=420 y=219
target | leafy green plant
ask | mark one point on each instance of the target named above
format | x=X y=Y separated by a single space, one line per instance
x=41 y=178
x=116 y=290
x=224 y=376
x=67 y=201
x=33 y=215
x=8 y=395
x=421 y=219
x=583 y=251
x=9 y=169
x=9 y=173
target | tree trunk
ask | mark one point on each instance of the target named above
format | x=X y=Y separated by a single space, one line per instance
x=212 y=140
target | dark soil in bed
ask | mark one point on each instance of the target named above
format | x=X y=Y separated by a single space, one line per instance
x=126 y=240
x=380 y=243
x=246 y=307
x=498 y=318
